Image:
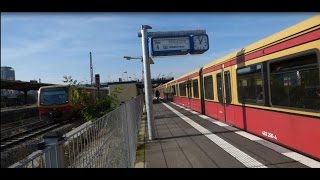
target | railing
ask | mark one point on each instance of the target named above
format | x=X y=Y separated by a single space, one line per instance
x=109 y=141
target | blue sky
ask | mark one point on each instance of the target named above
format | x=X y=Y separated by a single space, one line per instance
x=51 y=45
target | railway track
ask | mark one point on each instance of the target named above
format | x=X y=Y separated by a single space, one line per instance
x=20 y=137
x=14 y=128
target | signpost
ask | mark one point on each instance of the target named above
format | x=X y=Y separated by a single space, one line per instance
x=178 y=43
x=97 y=80
x=167 y=43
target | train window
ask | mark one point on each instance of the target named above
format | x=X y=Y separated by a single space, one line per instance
x=227 y=82
x=249 y=81
x=208 y=87
x=173 y=89
x=54 y=96
x=182 y=89
x=219 y=88
x=295 y=82
x=195 y=88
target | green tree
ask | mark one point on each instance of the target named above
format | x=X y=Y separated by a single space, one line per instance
x=89 y=104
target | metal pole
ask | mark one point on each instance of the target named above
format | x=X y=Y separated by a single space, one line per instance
x=91 y=70
x=98 y=88
x=54 y=157
x=142 y=71
x=147 y=80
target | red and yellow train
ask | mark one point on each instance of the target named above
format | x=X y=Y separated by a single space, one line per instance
x=55 y=105
x=270 y=88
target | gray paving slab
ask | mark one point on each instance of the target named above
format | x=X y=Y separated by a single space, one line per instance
x=192 y=151
x=175 y=157
x=154 y=157
x=213 y=152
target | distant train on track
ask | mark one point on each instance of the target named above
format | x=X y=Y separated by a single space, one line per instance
x=270 y=88
x=55 y=105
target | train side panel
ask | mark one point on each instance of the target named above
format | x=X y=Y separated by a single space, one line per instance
x=195 y=104
x=211 y=109
x=301 y=133
x=183 y=101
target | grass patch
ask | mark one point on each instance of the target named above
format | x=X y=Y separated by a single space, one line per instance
x=140 y=153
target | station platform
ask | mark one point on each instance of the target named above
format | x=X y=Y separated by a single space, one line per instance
x=18 y=108
x=13 y=114
x=188 y=139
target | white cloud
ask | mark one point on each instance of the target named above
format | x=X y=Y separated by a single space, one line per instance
x=26 y=47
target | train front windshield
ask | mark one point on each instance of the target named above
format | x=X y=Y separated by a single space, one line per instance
x=54 y=96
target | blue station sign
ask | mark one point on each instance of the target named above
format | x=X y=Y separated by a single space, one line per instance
x=171 y=45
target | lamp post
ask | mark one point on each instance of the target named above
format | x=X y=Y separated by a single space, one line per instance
x=129 y=58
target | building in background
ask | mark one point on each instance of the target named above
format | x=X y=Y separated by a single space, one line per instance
x=128 y=90
x=13 y=97
x=7 y=73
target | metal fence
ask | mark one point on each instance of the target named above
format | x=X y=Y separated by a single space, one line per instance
x=109 y=141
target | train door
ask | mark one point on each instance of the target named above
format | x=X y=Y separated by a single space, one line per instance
x=168 y=92
x=189 y=95
x=224 y=93
x=203 y=110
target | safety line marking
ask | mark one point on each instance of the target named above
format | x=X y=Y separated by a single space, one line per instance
x=244 y=158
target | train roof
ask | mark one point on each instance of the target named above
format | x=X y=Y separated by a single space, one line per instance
x=53 y=86
x=172 y=81
x=83 y=87
x=295 y=30
x=187 y=74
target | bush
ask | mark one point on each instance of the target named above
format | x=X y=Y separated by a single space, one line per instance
x=89 y=104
